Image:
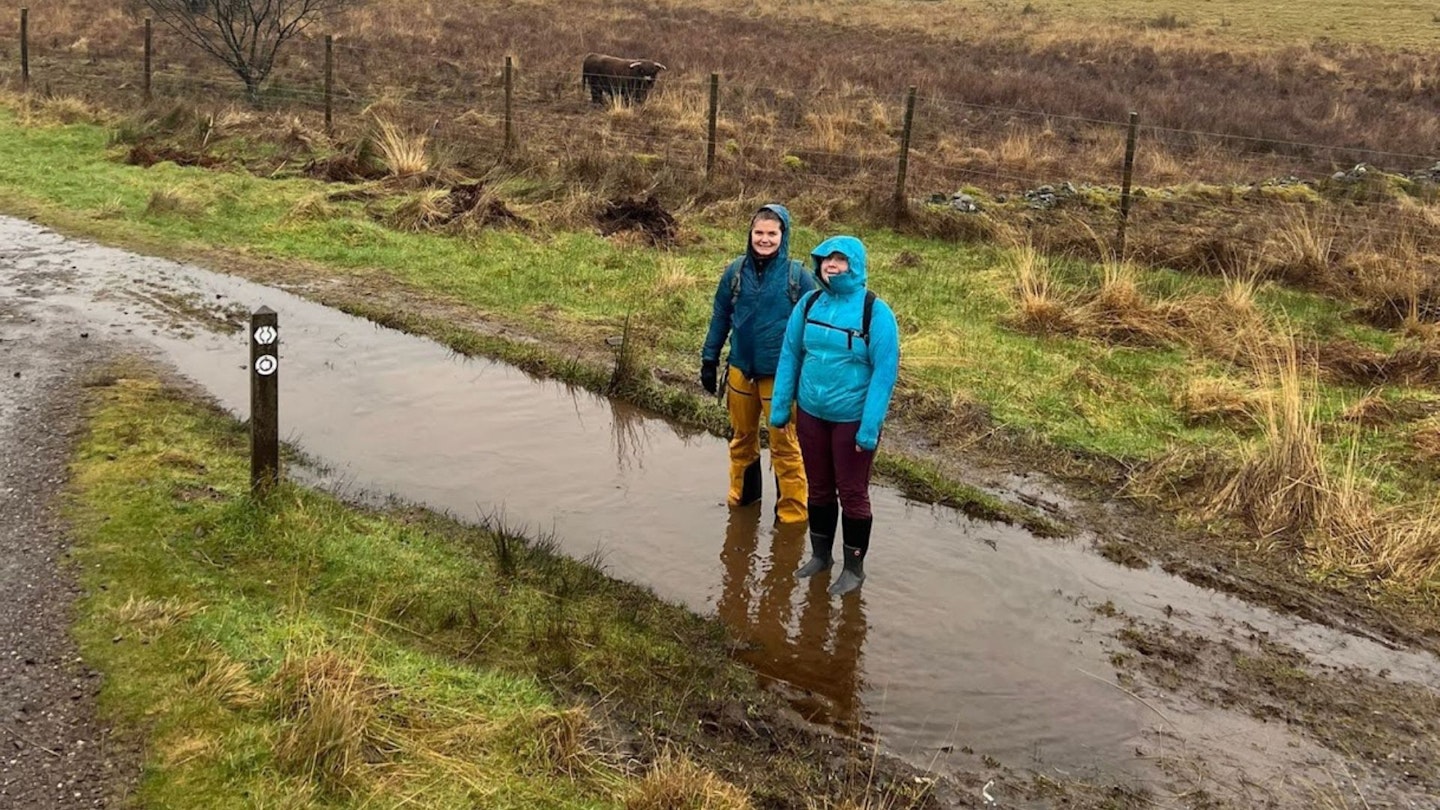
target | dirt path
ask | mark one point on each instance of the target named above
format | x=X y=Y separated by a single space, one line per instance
x=53 y=751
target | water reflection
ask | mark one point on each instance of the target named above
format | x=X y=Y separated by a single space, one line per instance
x=812 y=650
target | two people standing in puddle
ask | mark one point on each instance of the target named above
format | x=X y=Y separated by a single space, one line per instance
x=837 y=362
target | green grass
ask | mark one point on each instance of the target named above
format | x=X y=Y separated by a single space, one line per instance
x=230 y=629
x=574 y=289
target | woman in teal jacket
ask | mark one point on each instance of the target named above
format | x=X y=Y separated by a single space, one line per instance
x=839 y=363
x=752 y=304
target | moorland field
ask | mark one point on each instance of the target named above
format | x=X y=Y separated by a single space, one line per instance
x=1254 y=367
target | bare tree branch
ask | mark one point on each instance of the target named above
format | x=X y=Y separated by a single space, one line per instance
x=243 y=34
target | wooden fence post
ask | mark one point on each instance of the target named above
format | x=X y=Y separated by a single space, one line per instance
x=149 y=50
x=714 y=111
x=904 y=154
x=509 y=101
x=329 y=84
x=25 y=50
x=264 y=400
x=1125 y=187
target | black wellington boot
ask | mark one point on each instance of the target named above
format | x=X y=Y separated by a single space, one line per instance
x=750 y=486
x=857 y=544
x=823 y=518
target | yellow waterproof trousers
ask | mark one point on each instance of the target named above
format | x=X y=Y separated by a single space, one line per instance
x=749 y=405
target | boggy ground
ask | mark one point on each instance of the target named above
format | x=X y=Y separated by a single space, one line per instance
x=234 y=682
x=442 y=317
x=1351 y=711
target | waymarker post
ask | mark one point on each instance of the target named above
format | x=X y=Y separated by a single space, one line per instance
x=264 y=401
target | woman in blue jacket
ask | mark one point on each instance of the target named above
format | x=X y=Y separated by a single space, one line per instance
x=839 y=363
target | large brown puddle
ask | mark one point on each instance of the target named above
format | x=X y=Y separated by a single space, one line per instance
x=966 y=635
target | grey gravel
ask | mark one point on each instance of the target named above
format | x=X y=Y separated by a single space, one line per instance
x=53 y=751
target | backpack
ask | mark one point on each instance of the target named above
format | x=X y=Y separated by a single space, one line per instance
x=865 y=313
x=796 y=268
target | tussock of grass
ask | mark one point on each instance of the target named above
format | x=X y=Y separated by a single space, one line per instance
x=172 y=202
x=1040 y=308
x=676 y=783
x=1304 y=247
x=421 y=211
x=1284 y=485
x=403 y=154
x=331 y=714
x=1282 y=479
x=1209 y=400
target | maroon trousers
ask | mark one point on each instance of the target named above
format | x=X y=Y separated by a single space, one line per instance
x=833 y=467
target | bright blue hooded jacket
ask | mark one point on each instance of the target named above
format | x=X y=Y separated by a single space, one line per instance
x=754 y=321
x=826 y=366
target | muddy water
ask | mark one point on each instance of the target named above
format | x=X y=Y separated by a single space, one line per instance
x=967 y=635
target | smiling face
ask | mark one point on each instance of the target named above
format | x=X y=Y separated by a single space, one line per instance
x=833 y=265
x=765 y=236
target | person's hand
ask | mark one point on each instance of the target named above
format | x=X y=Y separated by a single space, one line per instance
x=779 y=421
x=707 y=375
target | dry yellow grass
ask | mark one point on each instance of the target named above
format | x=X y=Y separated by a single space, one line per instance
x=1041 y=309
x=403 y=154
x=677 y=783
x=422 y=210
x=1223 y=401
x=1304 y=245
x=226 y=681
x=1282 y=480
x=333 y=715
x=153 y=617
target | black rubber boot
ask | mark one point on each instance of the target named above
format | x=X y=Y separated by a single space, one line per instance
x=750 y=487
x=857 y=544
x=823 y=518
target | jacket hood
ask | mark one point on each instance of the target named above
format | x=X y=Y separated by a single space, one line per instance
x=852 y=249
x=782 y=256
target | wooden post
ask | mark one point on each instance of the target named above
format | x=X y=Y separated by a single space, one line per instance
x=25 y=50
x=509 y=99
x=714 y=111
x=904 y=154
x=329 y=84
x=264 y=401
x=1125 y=186
x=149 y=49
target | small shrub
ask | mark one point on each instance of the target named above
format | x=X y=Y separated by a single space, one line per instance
x=1166 y=21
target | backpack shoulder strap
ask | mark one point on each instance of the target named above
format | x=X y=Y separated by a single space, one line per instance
x=865 y=315
x=797 y=269
x=734 y=269
x=812 y=297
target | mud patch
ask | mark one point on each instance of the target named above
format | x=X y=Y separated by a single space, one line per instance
x=471 y=203
x=356 y=164
x=148 y=153
x=1410 y=364
x=1389 y=726
x=646 y=216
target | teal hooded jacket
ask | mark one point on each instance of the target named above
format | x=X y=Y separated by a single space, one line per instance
x=754 y=321
x=826 y=366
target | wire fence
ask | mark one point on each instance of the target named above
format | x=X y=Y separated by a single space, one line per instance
x=915 y=150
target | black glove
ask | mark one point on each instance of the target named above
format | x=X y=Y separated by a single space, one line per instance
x=707 y=375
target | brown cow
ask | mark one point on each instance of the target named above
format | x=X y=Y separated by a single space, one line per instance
x=612 y=76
